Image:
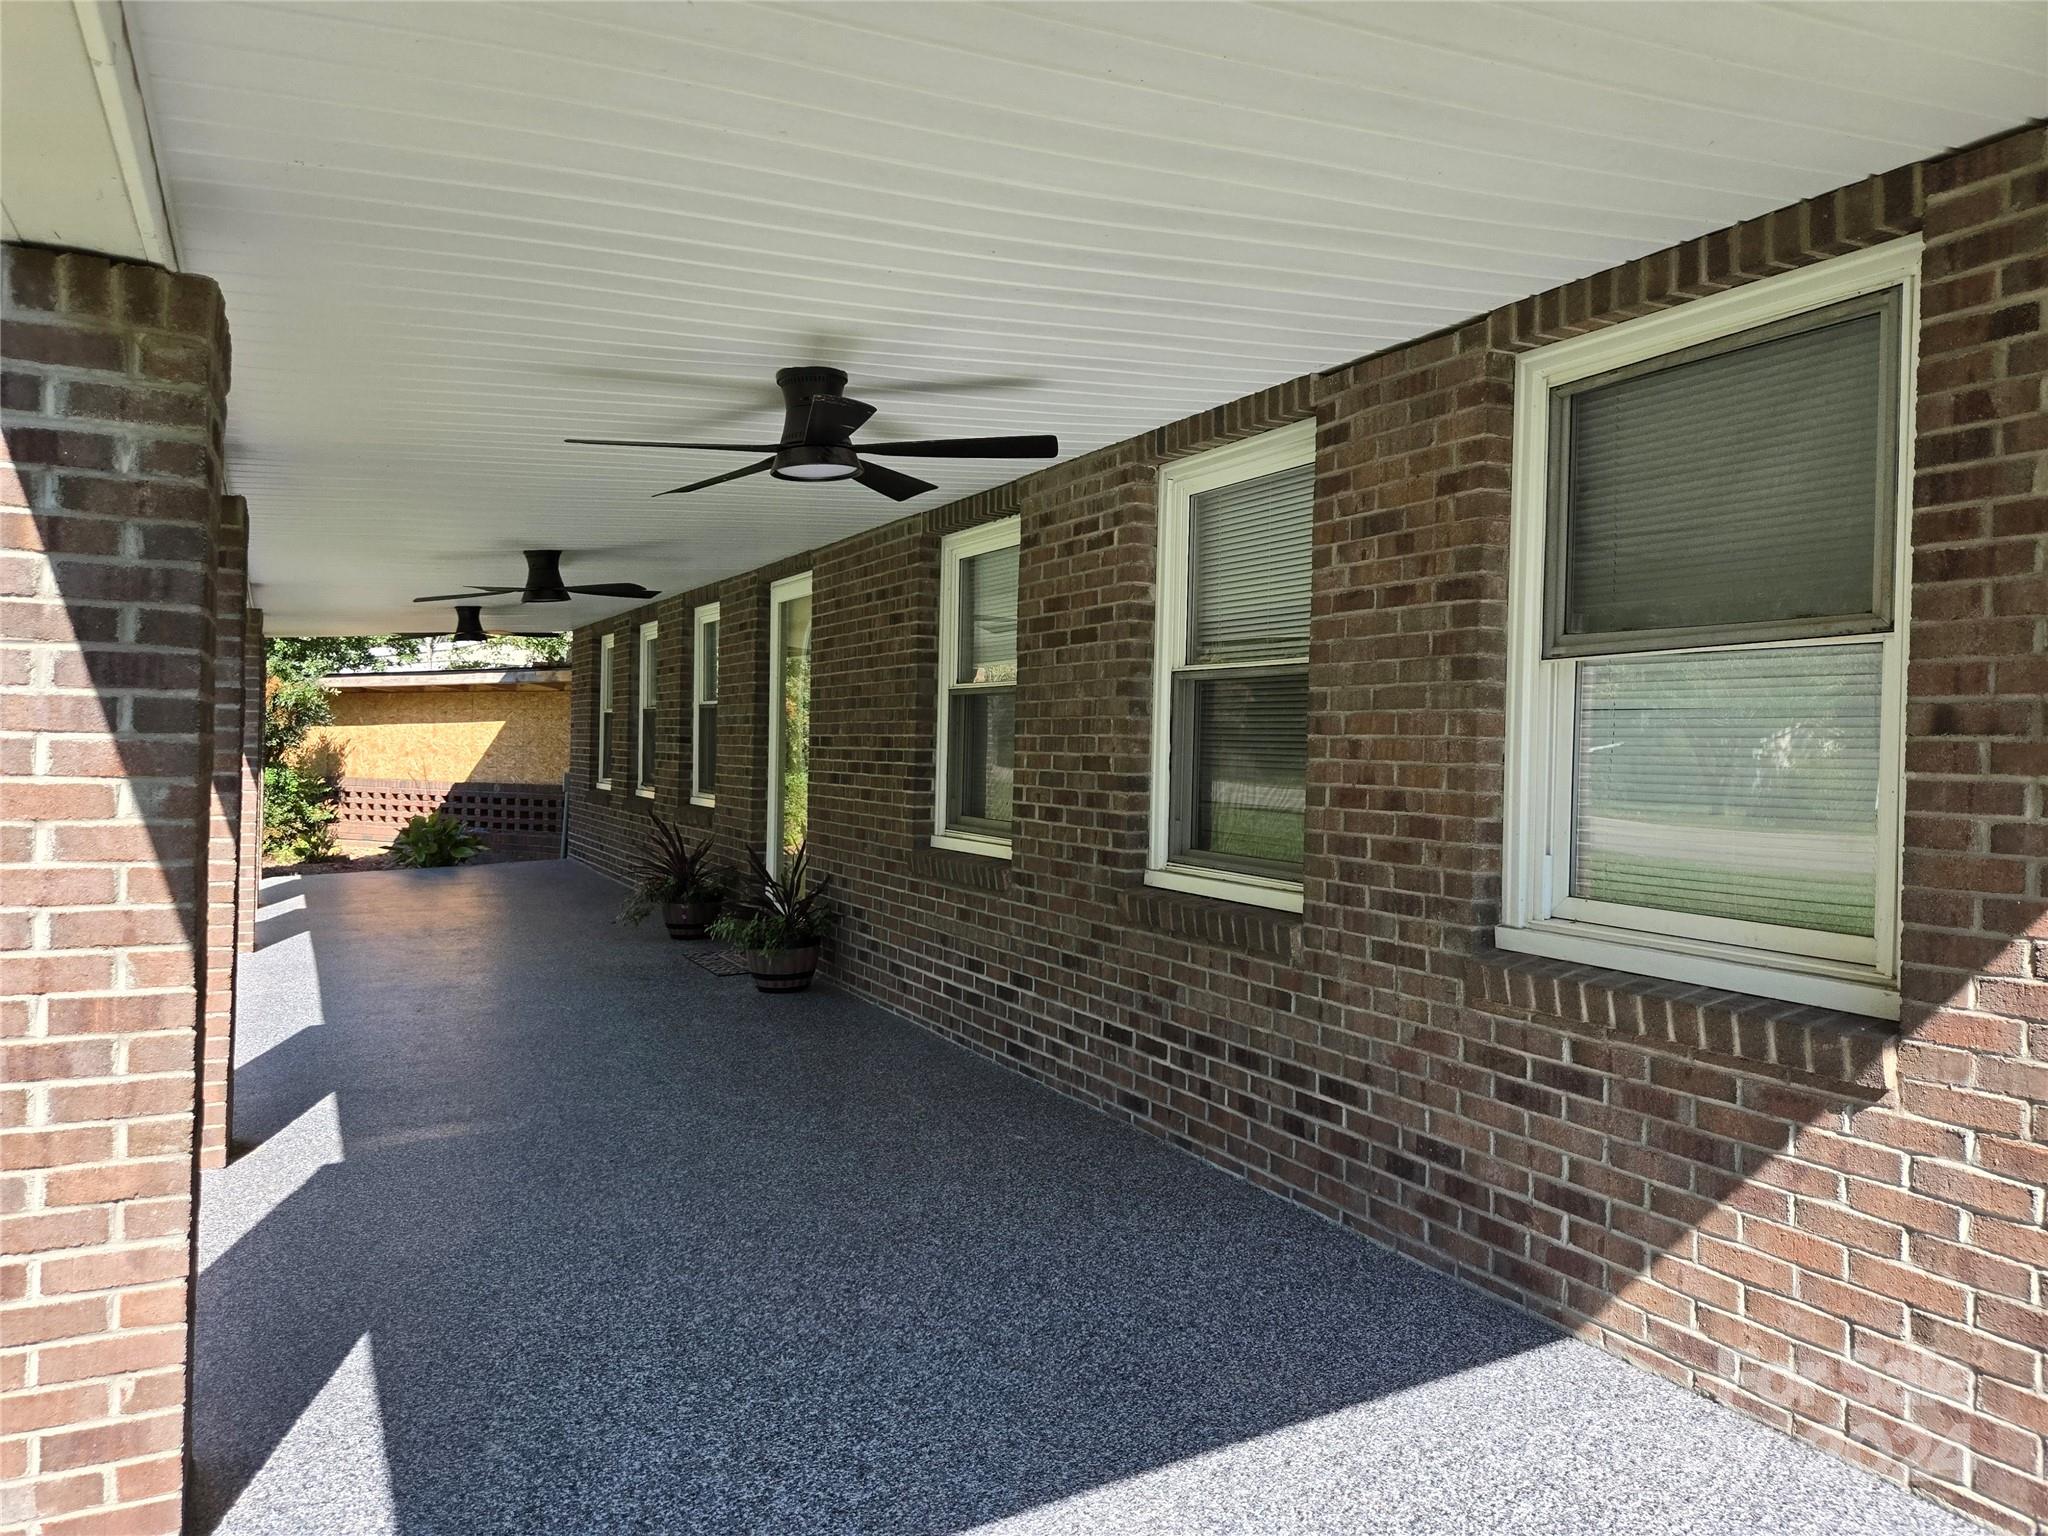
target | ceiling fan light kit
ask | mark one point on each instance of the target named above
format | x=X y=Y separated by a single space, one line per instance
x=818 y=423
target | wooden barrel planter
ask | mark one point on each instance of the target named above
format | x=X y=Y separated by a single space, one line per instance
x=689 y=919
x=783 y=970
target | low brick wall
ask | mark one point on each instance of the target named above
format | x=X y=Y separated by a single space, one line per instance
x=510 y=818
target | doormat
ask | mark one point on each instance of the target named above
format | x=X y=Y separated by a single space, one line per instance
x=720 y=962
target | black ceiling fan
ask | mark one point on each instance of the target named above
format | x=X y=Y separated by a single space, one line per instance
x=544 y=584
x=818 y=424
x=469 y=628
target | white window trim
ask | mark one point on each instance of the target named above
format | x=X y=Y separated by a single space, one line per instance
x=1854 y=976
x=1180 y=482
x=703 y=619
x=644 y=692
x=783 y=591
x=954 y=551
x=605 y=647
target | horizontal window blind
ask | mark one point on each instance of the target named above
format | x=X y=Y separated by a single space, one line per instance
x=1735 y=784
x=988 y=617
x=1250 y=544
x=1743 y=487
x=1250 y=765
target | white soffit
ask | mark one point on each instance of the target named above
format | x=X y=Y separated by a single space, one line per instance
x=76 y=166
x=451 y=235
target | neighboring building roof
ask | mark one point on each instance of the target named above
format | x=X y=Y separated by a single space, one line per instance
x=479 y=677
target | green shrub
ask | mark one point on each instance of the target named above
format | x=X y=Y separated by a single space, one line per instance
x=298 y=813
x=434 y=842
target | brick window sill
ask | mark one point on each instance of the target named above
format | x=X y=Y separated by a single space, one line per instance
x=1815 y=1044
x=947 y=866
x=1273 y=934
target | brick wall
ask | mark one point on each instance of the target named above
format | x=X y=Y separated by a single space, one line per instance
x=224 y=833
x=608 y=828
x=113 y=390
x=249 y=856
x=1832 y=1226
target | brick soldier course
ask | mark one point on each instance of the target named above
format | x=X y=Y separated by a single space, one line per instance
x=1830 y=1224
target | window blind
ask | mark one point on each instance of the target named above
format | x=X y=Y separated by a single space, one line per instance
x=988 y=617
x=1737 y=784
x=1250 y=544
x=1743 y=487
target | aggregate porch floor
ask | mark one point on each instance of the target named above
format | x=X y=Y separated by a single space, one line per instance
x=541 y=1229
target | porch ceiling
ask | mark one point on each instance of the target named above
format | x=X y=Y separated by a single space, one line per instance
x=451 y=235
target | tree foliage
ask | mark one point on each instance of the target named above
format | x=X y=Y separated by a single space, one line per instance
x=299 y=796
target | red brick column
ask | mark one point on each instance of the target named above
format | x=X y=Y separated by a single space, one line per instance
x=114 y=387
x=250 y=870
x=224 y=833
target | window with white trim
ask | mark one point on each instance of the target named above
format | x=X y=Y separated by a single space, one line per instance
x=977 y=716
x=605 y=648
x=704 y=707
x=644 y=686
x=1230 y=676
x=1707 y=652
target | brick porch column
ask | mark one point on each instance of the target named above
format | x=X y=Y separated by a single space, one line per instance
x=110 y=494
x=250 y=873
x=224 y=834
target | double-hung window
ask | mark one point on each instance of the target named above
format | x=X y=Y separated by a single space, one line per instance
x=605 y=649
x=974 y=768
x=1707 y=650
x=1230 y=684
x=644 y=687
x=704 y=707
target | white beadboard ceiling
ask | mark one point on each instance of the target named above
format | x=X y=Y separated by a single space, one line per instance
x=452 y=234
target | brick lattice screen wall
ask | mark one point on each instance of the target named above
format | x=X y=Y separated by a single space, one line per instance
x=114 y=384
x=1830 y=1226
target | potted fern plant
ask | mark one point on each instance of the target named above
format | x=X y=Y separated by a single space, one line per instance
x=780 y=929
x=680 y=878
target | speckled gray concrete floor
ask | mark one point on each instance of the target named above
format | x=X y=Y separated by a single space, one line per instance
x=541 y=1228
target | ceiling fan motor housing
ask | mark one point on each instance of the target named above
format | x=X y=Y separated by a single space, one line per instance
x=822 y=441
x=544 y=577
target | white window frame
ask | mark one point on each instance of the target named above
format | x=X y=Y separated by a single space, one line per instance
x=700 y=792
x=955 y=550
x=644 y=671
x=605 y=648
x=1538 y=914
x=779 y=593
x=1180 y=482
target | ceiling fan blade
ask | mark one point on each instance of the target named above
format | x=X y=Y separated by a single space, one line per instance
x=972 y=386
x=615 y=589
x=835 y=416
x=1038 y=447
x=632 y=442
x=737 y=474
x=892 y=483
x=456 y=597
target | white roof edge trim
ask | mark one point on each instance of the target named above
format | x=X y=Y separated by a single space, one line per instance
x=110 y=45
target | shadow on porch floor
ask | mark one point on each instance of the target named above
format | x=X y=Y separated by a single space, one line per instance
x=540 y=1228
